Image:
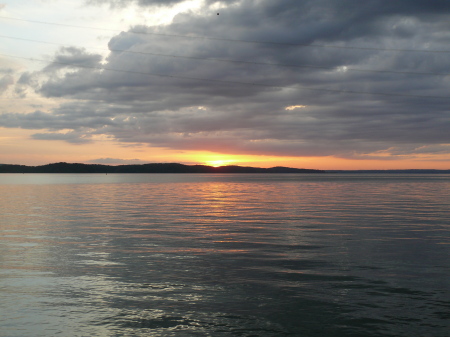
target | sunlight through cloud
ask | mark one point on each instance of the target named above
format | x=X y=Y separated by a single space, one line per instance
x=292 y=107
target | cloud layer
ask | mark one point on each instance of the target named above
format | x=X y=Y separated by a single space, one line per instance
x=331 y=78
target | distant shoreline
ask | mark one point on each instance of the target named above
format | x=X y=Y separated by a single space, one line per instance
x=181 y=168
x=144 y=168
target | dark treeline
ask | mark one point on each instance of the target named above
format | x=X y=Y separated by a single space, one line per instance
x=144 y=168
x=181 y=168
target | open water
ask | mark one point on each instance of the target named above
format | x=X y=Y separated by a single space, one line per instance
x=224 y=255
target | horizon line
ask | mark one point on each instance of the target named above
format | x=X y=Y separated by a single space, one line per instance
x=225 y=166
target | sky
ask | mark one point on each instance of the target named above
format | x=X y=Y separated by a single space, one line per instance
x=319 y=84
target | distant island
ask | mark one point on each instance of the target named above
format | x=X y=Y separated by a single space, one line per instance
x=144 y=168
x=181 y=168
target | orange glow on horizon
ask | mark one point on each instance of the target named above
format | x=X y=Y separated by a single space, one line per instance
x=17 y=147
x=320 y=163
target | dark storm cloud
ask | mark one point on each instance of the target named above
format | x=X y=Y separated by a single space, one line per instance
x=145 y=93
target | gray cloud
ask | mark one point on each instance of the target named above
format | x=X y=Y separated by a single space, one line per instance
x=115 y=161
x=201 y=103
x=73 y=57
x=70 y=137
x=5 y=82
x=6 y=71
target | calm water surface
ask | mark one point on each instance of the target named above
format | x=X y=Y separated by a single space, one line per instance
x=224 y=255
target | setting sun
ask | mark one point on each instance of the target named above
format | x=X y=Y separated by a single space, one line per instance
x=219 y=162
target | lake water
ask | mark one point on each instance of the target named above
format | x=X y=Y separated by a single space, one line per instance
x=224 y=255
